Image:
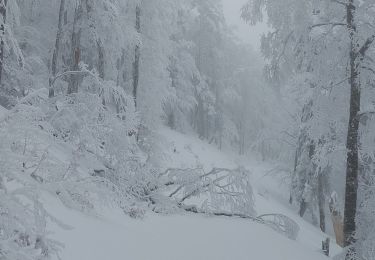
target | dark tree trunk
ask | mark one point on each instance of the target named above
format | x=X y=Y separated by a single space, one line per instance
x=200 y=118
x=325 y=246
x=302 y=208
x=296 y=158
x=352 y=138
x=321 y=202
x=305 y=204
x=76 y=51
x=101 y=59
x=57 y=48
x=137 y=55
x=3 y=14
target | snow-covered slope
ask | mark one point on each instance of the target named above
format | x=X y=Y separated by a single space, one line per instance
x=187 y=237
x=114 y=236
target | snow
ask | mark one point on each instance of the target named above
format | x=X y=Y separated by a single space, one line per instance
x=188 y=152
x=2 y=112
x=115 y=236
x=176 y=237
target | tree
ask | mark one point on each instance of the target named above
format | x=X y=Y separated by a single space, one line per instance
x=3 y=14
x=56 y=51
x=76 y=48
x=318 y=30
x=357 y=54
x=137 y=54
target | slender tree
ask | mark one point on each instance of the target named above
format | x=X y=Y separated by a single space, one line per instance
x=56 y=51
x=321 y=201
x=3 y=14
x=137 y=54
x=356 y=57
x=352 y=138
x=76 y=50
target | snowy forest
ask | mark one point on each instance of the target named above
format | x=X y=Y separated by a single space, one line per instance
x=149 y=129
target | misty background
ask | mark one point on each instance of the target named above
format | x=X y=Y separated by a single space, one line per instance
x=164 y=130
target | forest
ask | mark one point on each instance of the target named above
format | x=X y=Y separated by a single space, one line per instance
x=149 y=129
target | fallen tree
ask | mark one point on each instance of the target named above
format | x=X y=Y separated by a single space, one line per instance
x=219 y=192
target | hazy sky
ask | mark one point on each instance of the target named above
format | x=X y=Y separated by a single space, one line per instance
x=250 y=34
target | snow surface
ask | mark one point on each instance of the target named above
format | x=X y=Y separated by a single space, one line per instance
x=3 y=112
x=114 y=236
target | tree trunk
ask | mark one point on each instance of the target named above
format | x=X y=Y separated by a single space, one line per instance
x=3 y=14
x=302 y=208
x=325 y=246
x=101 y=59
x=352 y=138
x=57 y=48
x=321 y=202
x=76 y=51
x=336 y=220
x=307 y=204
x=137 y=55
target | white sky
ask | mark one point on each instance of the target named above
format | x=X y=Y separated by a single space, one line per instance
x=247 y=33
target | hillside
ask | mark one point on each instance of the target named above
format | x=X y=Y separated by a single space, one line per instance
x=158 y=129
x=185 y=236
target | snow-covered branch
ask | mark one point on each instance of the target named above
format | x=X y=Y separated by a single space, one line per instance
x=369 y=41
x=333 y=24
x=219 y=189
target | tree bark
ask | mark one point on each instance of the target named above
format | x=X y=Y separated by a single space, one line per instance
x=57 y=48
x=302 y=208
x=321 y=202
x=352 y=166
x=337 y=221
x=101 y=59
x=76 y=51
x=3 y=14
x=352 y=138
x=137 y=55
x=305 y=204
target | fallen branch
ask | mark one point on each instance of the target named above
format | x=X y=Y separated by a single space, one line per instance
x=278 y=222
x=226 y=193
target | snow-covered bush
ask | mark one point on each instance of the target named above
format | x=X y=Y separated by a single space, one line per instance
x=79 y=148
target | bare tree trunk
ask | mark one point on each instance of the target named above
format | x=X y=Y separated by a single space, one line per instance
x=200 y=118
x=76 y=51
x=302 y=208
x=321 y=202
x=3 y=14
x=57 y=48
x=101 y=59
x=305 y=204
x=336 y=221
x=296 y=158
x=352 y=138
x=325 y=246
x=137 y=55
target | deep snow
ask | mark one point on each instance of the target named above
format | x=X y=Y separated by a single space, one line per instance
x=114 y=236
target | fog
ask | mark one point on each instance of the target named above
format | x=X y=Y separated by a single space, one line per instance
x=175 y=130
x=245 y=32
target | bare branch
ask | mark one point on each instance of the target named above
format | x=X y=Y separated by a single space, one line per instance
x=365 y=113
x=193 y=209
x=326 y=24
x=284 y=46
x=67 y=73
x=339 y=2
x=369 y=69
x=195 y=191
x=362 y=51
